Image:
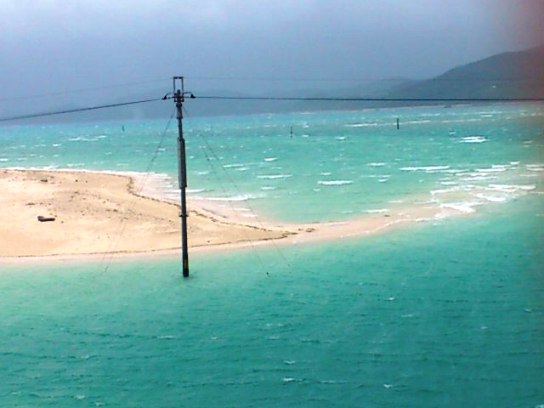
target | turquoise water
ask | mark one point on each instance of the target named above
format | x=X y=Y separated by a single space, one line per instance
x=448 y=312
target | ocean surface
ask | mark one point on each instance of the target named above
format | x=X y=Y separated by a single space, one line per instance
x=443 y=312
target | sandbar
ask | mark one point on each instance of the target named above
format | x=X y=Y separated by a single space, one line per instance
x=93 y=213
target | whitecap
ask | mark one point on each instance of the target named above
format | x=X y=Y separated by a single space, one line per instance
x=511 y=188
x=3 y=159
x=376 y=164
x=274 y=176
x=240 y=197
x=473 y=139
x=478 y=178
x=334 y=182
x=228 y=166
x=495 y=168
x=357 y=125
x=464 y=206
x=290 y=379
x=535 y=167
x=166 y=337
x=84 y=139
x=428 y=169
x=491 y=198
x=445 y=190
x=270 y=159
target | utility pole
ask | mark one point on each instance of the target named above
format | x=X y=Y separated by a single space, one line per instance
x=179 y=98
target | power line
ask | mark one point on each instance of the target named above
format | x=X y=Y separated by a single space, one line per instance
x=89 y=108
x=273 y=98
x=84 y=90
x=357 y=79
x=113 y=244
x=269 y=79
x=358 y=99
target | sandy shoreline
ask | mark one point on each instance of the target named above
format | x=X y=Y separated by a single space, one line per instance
x=99 y=213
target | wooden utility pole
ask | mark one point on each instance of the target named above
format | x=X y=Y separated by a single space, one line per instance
x=179 y=98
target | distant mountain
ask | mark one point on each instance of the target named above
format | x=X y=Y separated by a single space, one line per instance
x=508 y=75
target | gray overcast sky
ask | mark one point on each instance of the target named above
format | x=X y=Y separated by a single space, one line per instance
x=59 y=45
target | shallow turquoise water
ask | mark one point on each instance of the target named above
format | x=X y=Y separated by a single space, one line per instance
x=442 y=313
x=399 y=319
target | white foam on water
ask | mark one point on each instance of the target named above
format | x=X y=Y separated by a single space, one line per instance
x=228 y=166
x=267 y=188
x=461 y=206
x=478 y=177
x=4 y=159
x=236 y=198
x=535 y=167
x=340 y=138
x=85 y=139
x=511 y=188
x=376 y=164
x=473 y=139
x=496 y=168
x=290 y=379
x=274 y=176
x=446 y=190
x=326 y=173
x=334 y=182
x=360 y=125
x=377 y=211
x=427 y=169
x=492 y=198
x=270 y=159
